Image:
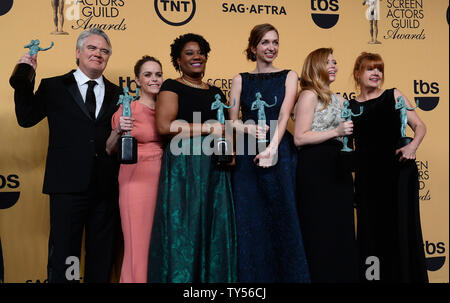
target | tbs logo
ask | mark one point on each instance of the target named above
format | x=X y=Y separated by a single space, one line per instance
x=324 y=13
x=8 y=199
x=426 y=103
x=5 y=6
x=435 y=263
x=128 y=82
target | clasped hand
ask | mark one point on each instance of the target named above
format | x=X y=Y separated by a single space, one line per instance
x=407 y=152
x=345 y=128
x=30 y=60
x=125 y=124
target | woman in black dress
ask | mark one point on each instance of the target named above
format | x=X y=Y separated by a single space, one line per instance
x=324 y=185
x=386 y=180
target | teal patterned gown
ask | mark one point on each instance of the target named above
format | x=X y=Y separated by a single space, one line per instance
x=193 y=236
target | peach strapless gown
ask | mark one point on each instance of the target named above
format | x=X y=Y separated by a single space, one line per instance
x=138 y=189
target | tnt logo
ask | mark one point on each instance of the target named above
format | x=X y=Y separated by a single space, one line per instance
x=175 y=12
x=5 y=6
x=426 y=103
x=435 y=263
x=324 y=13
x=8 y=199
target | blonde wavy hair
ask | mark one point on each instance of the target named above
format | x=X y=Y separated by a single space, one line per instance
x=315 y=75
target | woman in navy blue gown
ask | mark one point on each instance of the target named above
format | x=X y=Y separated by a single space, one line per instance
x=270 y=247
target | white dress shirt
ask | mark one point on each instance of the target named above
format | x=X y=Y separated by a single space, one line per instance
x=99 y=89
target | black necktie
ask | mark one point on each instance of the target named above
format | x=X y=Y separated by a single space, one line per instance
x=90 y=98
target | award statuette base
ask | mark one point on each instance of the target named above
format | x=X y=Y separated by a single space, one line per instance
x=222 y=154
x=127 y=152
x=22 y=74
x=345 y=149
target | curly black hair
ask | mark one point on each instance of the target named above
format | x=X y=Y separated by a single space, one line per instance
x=177 y=46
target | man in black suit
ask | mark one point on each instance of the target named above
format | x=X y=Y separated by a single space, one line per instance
x=80 y=177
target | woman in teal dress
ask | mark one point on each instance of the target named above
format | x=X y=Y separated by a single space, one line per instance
x=193 y=235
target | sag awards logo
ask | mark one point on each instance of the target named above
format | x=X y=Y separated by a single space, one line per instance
x=424 y=180
x=222 y=83
x=175 y=12
x=257 y=9
x=325 y=13
x=347 y=95
x=405 y=20
x=86 y=14
x=5 y=6
x=428 y=92
x=373 y=15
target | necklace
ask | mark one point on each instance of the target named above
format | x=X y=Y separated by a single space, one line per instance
x=201 y=86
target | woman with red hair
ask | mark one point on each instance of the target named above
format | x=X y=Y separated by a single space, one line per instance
x=386 y=177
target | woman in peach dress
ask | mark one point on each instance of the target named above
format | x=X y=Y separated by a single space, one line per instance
x=138 y=183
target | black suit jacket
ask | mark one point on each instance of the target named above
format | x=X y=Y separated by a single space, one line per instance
x=76 y=149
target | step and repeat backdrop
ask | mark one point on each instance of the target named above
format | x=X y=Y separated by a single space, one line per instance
x=411 y=35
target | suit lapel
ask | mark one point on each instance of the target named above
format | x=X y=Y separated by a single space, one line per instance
x=107 y=100
x=72 y=87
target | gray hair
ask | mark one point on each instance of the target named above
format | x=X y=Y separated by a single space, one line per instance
x=93 y=31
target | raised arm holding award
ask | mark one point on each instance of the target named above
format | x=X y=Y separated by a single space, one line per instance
x=24 y=72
